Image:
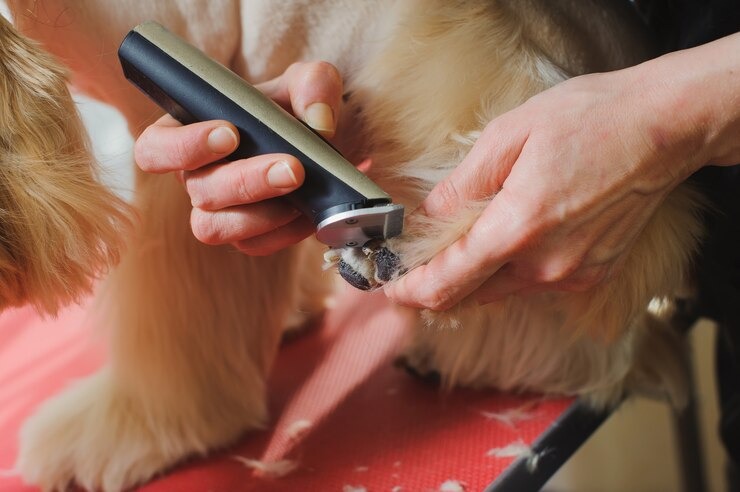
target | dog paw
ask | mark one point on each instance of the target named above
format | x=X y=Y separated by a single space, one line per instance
x=97 y=438
x=90 y=437
x=368 y=267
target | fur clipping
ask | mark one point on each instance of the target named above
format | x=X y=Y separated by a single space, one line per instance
x=59 y=227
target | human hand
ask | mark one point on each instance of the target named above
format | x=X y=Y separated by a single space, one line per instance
x=234 y=202
x=577 y=171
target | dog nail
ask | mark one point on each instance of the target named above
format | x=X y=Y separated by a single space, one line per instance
x=352 y=277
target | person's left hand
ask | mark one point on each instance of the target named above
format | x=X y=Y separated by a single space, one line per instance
x=577 y=171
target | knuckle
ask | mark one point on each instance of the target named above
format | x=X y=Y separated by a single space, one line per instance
x=316 y=66
x=438 y=300
x=318 y=72
x=204 y=226
x=448 y=195
x=196 y=189
x=244 y=187
x=327 y=69
x=557 y=271
x=181 y=151
x=296 y=71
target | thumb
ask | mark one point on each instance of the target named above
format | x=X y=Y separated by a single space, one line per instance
x=312 y=91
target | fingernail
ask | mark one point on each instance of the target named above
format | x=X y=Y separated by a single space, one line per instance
x=222 y=140
x=320 y=117
x=280 y=175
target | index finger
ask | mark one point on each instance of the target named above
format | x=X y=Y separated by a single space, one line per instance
x=443 y=282
x=166 y=145
x=463 y=267
x=458 y=270
x=312 y=91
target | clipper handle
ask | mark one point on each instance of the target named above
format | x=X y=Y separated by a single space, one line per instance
x=192 y=87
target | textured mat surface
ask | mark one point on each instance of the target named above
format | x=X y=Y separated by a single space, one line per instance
x=339 y=409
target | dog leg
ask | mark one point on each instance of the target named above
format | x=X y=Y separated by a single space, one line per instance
x=194 y=331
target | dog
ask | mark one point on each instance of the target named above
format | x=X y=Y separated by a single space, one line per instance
x=194 y=328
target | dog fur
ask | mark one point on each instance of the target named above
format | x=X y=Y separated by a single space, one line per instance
x=194 y=328
x=61 y=229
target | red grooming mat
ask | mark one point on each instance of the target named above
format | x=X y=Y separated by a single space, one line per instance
x=340 y=410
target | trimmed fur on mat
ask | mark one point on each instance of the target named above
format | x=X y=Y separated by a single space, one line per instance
x=59 y=227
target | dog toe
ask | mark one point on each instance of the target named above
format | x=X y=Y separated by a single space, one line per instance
x=352 y=276
x=387 y=264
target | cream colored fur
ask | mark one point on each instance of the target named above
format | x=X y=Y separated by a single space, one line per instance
x=194 y=329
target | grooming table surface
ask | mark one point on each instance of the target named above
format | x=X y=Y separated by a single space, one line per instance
x=371 y=424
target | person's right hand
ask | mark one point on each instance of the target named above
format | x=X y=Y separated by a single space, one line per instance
x=233 y=202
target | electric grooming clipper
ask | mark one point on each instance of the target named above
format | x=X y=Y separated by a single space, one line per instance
x=347 y=208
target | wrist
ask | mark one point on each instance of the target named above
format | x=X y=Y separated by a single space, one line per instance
x=697 y=112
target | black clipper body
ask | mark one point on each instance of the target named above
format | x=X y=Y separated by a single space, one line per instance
x=347 y=208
